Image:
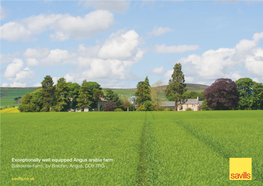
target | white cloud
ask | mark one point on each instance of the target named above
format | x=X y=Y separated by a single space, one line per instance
x=118 y=46
x=4 y=85
x=94 y=63
x=80 y=28
x=57 y=56
x=226 y=62
x=24 y=75
x=158 y=70
x=168 y=74
x=255 y=79
x=17 y=84
x=65 y=26
x=69 y=77
x=211 y=65
x=189 y=79
x=108 y=62
x=103 y=70
x=90 y=51
x=24 y=29
x=235 y=76
x=17 y=74
x=37 y=85
x=157 y=31
x=33 y=56
x=119 y=6
x=257 y=36
x=254 y=63
x=59 y=36
x=121 y=46
x=44 y=56
x=13 y=68
x=174 y=49
x=245 y=47
x=55 y=80
x=7 y=58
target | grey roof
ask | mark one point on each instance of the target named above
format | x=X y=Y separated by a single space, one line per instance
x=172 y=103
x=192 y=101
x=167 y=103
x=200 y=103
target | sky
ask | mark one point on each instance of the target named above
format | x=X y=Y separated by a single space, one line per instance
x=118 y=43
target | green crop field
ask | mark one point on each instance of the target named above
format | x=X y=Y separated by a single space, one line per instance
x=142 y=148
x=9 y=94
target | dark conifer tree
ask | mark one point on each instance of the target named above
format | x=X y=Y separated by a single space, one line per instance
x=61 y=94
x=177 y=87
x=48 y=92
x=143 y=92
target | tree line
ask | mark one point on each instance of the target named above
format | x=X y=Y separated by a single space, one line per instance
x=65 y=96
x=223 y=94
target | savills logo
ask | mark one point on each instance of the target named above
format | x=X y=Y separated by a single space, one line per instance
x=245 y=175
x=240 y=168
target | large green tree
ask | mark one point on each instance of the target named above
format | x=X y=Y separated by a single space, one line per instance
x=96 y=93
x=139 y=92
x=97 y=96
x=245 y=93
x=257 y=96
x=37 y=100
x=193 y=95
x=204 y=105
x=48 y=92
x=146 y=90
x=73 y=94
x=25 y=103
x=143 y=91
x=61 y=94
x=31 y=102
x=177 y=87
x=85 y=95
x=111 y=96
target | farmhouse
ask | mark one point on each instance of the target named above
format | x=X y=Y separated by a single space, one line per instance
x=194 y=104
x=101 y=103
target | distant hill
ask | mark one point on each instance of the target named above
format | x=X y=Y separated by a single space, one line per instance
x=8 y=94
x=127 y=91
x=196 y=87
x=191 y=87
